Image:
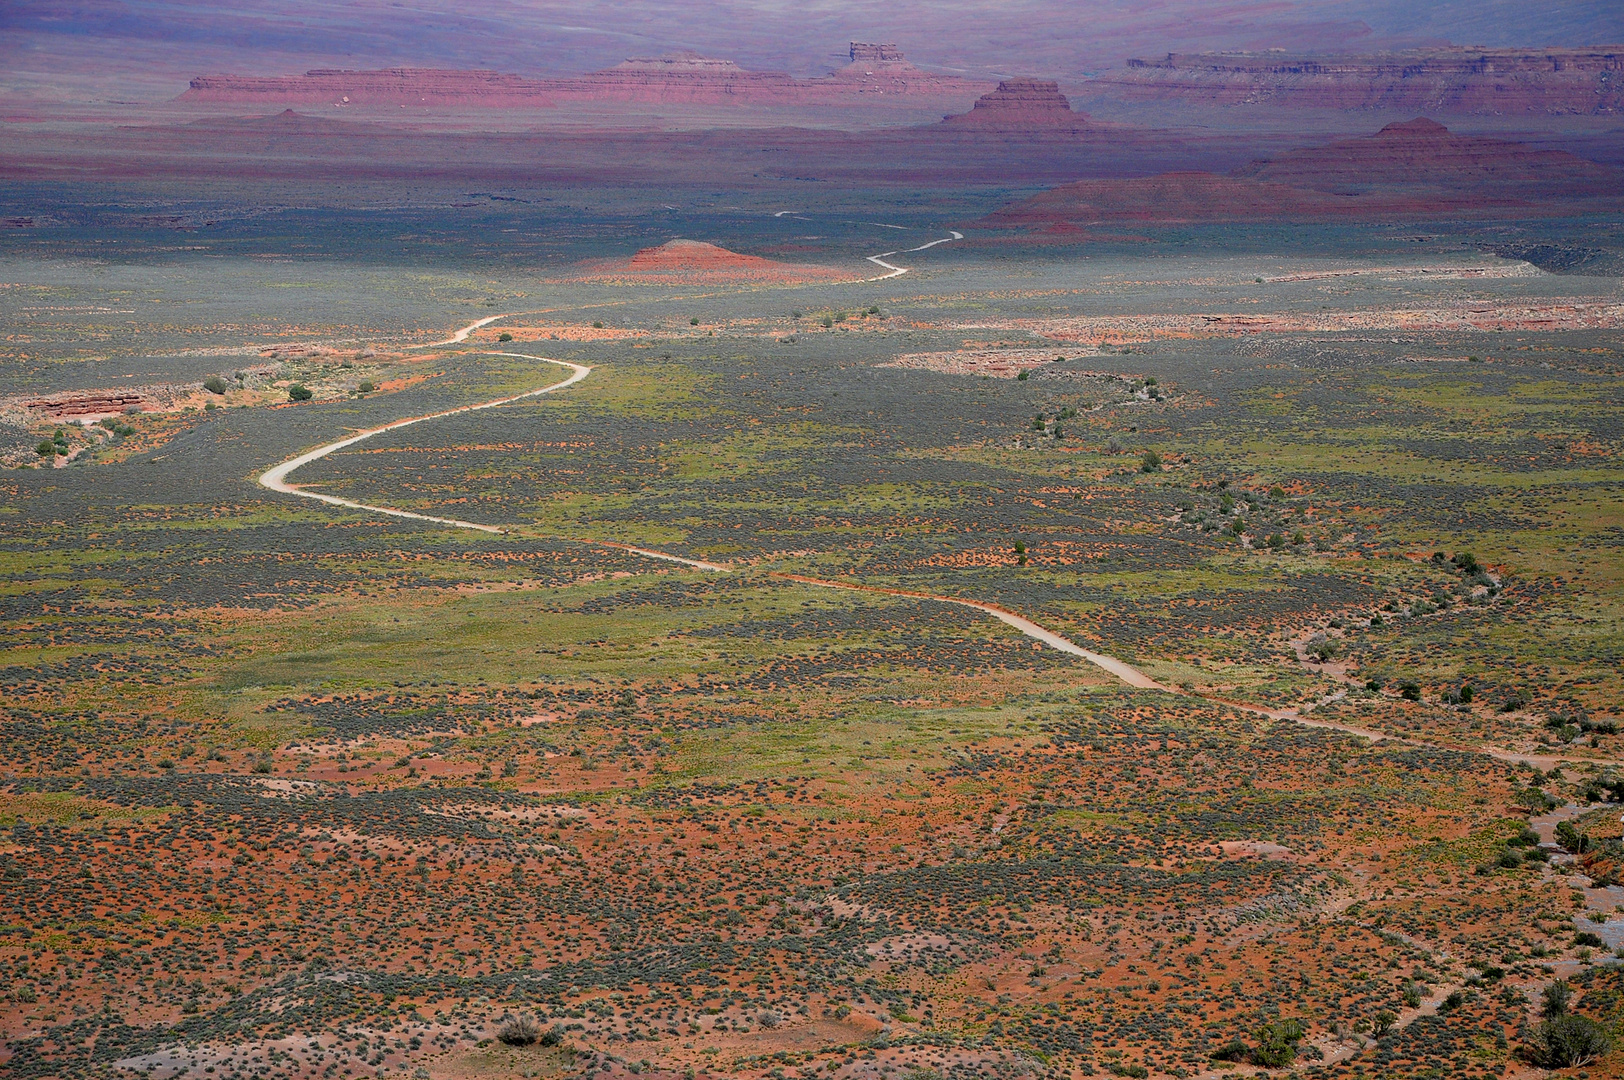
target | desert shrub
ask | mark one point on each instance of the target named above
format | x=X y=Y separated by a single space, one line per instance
x=1322 y=648
x=694 y=321
x=1554 y=999
x=522 y=1030
x=597 y=325
x=366 y=387
x=1383 y=1023
x=299 y=392
x=46 y=448
x=1152 y=462
x=1277 y=1044
x=1021 y=377
x=828 y=320
x=1572 y=838
x=1233 y=1050
x=214 y=384
x=1585 y=939
x=1138 y=1072
x=504 y=336
x=1412 y=995
x=1410 y=692
x=1565 y=1041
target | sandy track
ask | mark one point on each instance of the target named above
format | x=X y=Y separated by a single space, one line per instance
x=898 y=271
x=276 y=480
x=1128 y=674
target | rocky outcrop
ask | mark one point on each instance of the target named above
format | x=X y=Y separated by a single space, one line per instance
x=85 y=404
x=678 y=79
x=1021 y=104
x=863 y=52
x=1582 y=82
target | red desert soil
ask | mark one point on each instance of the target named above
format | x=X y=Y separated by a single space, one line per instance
x=694 y=262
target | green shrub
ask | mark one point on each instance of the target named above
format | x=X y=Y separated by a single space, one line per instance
x=366 y=387
x=597 y=325
x=46 y=448
x=504 y=336
x=214 y=384
x=1151 y=462
x=1021 y=377
x=1277 y=1044
x=299 y=392
x=1571 y=838
x=1566 y=1041
x=1409 y=692
x=520 y=1031
x=694 y=321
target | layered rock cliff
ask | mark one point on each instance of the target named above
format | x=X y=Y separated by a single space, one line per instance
x=678 y=79
x=1585 y=82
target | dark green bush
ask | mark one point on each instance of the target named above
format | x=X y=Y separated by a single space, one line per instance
x=214 y=384
x=1566 y=1041
x=521 y=1030
x=1277 y=1044
x=504 y=336
x=299 y=392
x=1152 y=462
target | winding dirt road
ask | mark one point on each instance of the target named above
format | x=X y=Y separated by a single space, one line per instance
x=276 y=479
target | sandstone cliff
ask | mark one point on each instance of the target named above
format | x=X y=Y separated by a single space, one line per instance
x=1585 y=82
x=679 y=79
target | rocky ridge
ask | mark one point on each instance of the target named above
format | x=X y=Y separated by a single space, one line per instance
x=1581 y=82
x=680 y=78
x=1415 y=168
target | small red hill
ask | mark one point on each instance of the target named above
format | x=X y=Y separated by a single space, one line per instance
x=680 y=262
